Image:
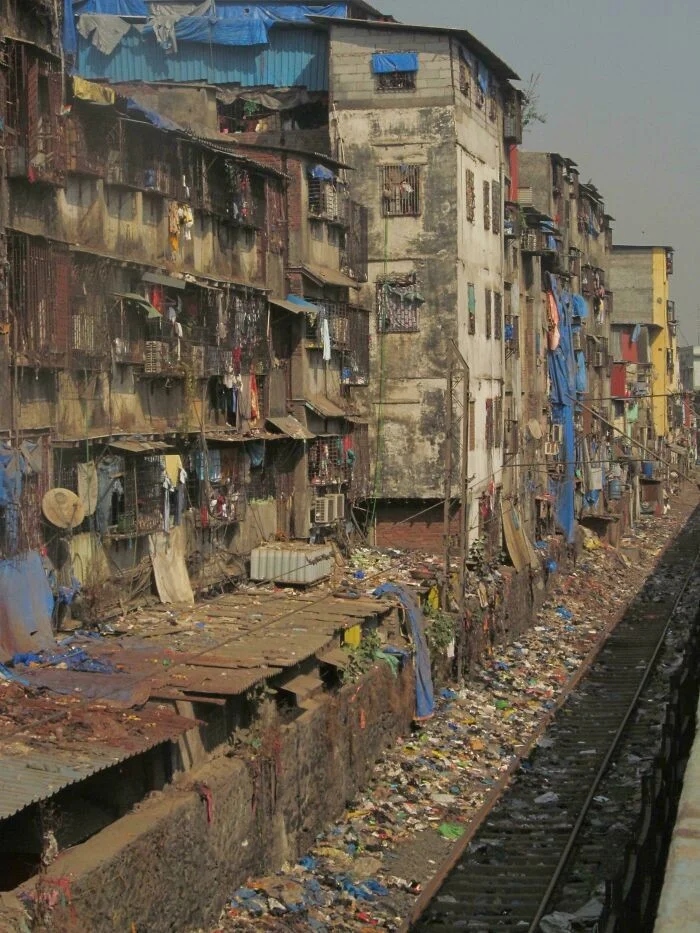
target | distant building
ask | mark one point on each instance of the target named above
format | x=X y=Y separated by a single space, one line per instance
x=641 y=279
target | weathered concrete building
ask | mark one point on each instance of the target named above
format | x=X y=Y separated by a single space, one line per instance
x=641 y=280
x=419 y=113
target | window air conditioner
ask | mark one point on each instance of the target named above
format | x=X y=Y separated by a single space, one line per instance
x=339 y=505
x=324 y=510
x=556 y=433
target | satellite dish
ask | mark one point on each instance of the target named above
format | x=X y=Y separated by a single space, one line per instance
x=63 y=508
x=535 y=429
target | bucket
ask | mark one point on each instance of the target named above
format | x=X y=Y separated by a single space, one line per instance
x=614 y=488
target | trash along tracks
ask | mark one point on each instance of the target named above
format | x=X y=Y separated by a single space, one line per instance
x=512 y=870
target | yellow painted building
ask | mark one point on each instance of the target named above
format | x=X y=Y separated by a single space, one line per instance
x=640 y=282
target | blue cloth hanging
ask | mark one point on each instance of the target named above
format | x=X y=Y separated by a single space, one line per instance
x=386 y=63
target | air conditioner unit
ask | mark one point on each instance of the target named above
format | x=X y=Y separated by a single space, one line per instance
x=325 y=510
x=551 y=449
x=339 y=505
x=556 y=433
x=598 y=359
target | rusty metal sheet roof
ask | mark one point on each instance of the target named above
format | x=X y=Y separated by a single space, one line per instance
x=30 y=774
x=328 y=276
x=134 y=446
x=292 y=428
x=324 y=407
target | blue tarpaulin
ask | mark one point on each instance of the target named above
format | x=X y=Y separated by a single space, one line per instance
x=581 y=374
x=320 y=171
x=636 y=333
x=580 y=306
x=231 y=23
x=425 y=701
x=386 y=63
x=562 y=374
x=27 y=606
x=155 y=118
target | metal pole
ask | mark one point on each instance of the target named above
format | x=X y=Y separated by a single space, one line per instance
x=464 y=521
x=448 y=477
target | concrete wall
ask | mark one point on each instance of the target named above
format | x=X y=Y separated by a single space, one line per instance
x=165 y=868
x=433 y=128
x=632 y=284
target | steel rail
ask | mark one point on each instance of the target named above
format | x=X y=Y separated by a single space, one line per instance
x=605 y=764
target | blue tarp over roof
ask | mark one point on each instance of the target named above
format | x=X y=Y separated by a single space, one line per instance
x=292 y=58
x=225 y=23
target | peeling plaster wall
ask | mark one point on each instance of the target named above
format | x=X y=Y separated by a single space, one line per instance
x=433 y=127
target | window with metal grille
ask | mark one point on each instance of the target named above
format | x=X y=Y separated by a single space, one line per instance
x=401 y=190
x=496 y=208
x=487 y=206
x=326 y=198
x=470 y=196
x=497 y=315
x=487 y=311
x=396 y=81
x=329 y=461
x=398 y=304
x=489 y=423
x=498 y=420
x=465 y=78
x=471 y=307
x=355 y=362
x=472 y=425
x=354 y=246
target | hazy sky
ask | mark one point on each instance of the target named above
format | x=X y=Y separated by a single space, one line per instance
x=619 y=87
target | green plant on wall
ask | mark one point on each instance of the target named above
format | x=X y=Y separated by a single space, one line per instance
x=440 y=631
x=361 y=658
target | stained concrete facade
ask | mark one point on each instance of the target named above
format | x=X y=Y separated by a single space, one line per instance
x=446 y=135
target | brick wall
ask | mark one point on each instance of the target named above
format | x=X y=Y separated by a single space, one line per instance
x=399 y=525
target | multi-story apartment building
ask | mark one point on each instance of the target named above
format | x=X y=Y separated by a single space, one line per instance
x=420 y=114
x=645 y=318
x=180 y=331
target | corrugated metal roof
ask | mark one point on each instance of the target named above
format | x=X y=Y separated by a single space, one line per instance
x=327 y=276
x=139 y=447
x=324 y=407
x=294 y=57
x=28 y=775
x=289 y=425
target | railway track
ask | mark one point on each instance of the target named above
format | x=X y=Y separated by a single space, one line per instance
x=525 y=859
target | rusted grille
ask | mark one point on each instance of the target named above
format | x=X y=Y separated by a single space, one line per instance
x=401 y=190
x=470 y=187
x=471 y=307
x=398 y=304
x=498 y=420
x=355 y=367
x=353 y=257
x=496 y=208
x=39 y=289
x=127 y=331
x=396 y=81
x=144 y=495
x=329 y=461
x=472 y=424
x=487 y=311
x=489 y=423
x=497 y=315
x=89 y=330
x=465 y=82
x=276 y=217
x=357 y=457
x=328 y=199
x=487 y=206
x=249 y=332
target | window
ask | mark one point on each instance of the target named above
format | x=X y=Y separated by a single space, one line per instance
x=496 y=207
x=472 y=425
x=471 y=305
x=326 y=198
x=401 y=190
x=497 y=315
x=465 y=82
x=487 y=206
x=471 y=196
x=498 y=420
x=397 y=81
x=489 y=424
x=487 y=311
x=398 y=304
x=395 y=71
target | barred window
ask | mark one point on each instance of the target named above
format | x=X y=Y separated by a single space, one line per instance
x=472 y=425
x=355 y=360
x=489 y=423
x=398 y=305
x=471 y=196
x=401 y=194
x=498 y=420
x=471 y=307
x=487 y=206
x=497 y=315
x=496 y=207
x=465 y=82
x=397 y=81
x=487 y=311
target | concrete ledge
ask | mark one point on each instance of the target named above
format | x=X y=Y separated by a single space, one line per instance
x=169 y=864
